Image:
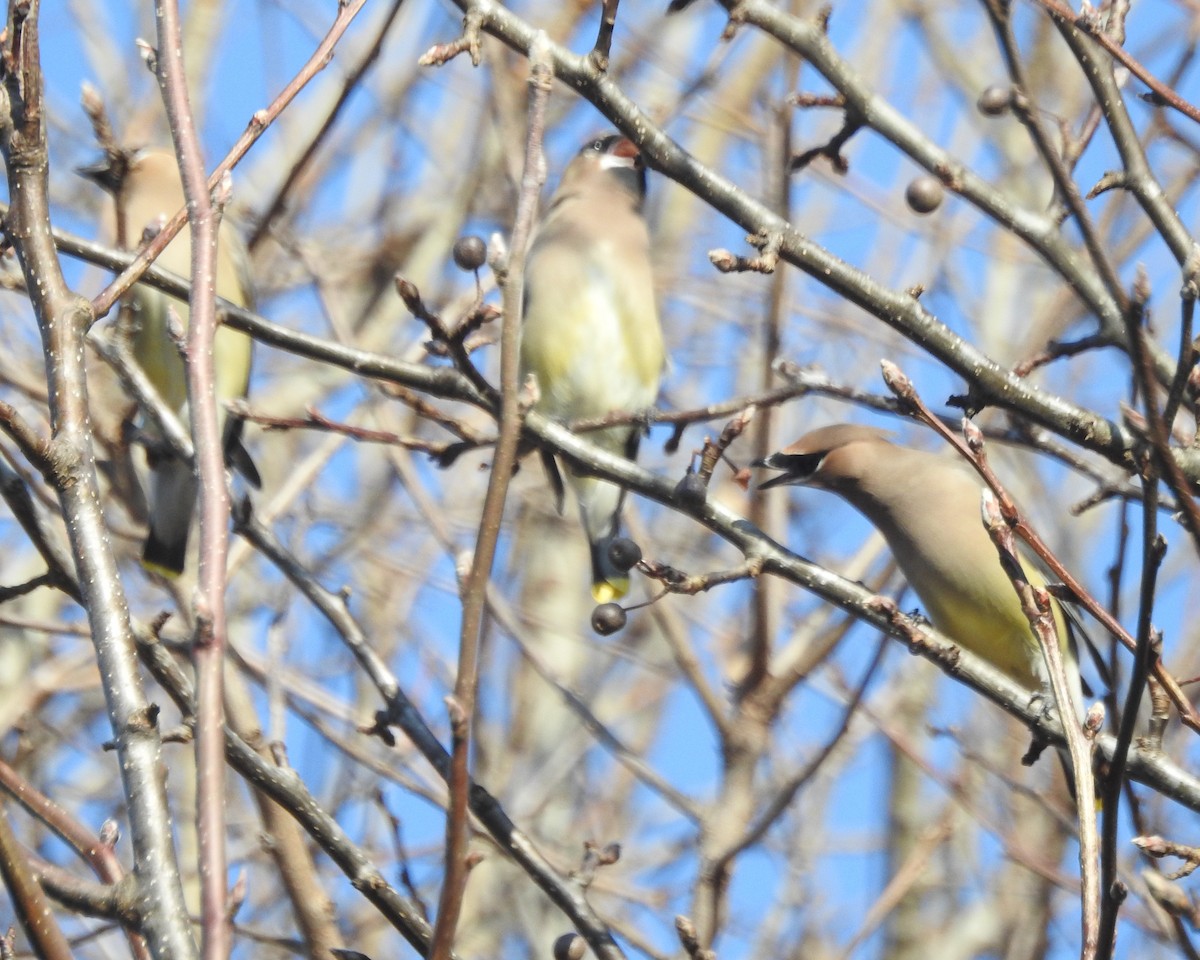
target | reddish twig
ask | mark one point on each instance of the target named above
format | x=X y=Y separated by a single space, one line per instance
x=97 y=851
x=29 y=901
x=1089 y=25
x=216 y=933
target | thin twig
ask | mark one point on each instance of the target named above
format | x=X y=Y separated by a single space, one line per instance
x=1158 y=427
x=608 y=23
x=284 y=193
x=475 y=586
x=1035 y=603
x=1153 y=549
x=1091 y=27
x=216 y=934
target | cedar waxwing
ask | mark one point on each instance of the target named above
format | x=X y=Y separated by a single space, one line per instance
x=148 y=195
x=590 y=329
x=928 y=509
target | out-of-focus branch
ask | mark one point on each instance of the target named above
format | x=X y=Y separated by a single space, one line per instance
x=310 y=903
x=795 y=783
x=284 y=786
x=28 y=899
x=1027 y=112
x=20 y=502
x=284 y=193
x=98 y=852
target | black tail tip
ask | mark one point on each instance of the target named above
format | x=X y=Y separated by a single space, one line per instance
x=164 y=558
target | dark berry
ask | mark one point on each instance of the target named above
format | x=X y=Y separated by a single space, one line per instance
x=924 y=194
x=470 y=253
x=994 y=101
x=608 y=618
x=624 y=554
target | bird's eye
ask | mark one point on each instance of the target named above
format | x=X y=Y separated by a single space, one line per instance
x=598 y=145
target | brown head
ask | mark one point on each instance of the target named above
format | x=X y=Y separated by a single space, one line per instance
x=830 y=457
x=611 y=160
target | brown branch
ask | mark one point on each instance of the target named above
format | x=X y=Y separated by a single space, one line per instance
x=399 y=711
x=475 y=586
x=284 y=193
x=796 y=782
x=1036 y=606
x=313 y=419
x=28 y=899
x=284 y=786
x=1025 y=111
x=286 y=844
x=15 y=492
x=208 y=651
x=97 y=852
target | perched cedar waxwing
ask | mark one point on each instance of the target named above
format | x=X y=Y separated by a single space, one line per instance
x=928 y=509
x=590 y=329
x=148 y=195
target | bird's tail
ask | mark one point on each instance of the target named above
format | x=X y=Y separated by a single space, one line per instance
x=600 y=505
x=608 y=583
x=173 y=489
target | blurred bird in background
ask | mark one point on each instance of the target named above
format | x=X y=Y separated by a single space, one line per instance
x=590 y=332
x=147 y=193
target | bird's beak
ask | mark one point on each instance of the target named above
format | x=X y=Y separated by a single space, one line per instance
x=624 y=155
x=103 y=173
x=798 y=468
